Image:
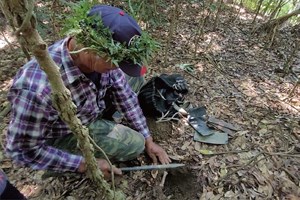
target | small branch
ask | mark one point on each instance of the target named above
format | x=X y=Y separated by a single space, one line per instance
x=164 y=117
x=228 y=152
x=73 y=188
x=106 y=157
x=5 y=109
x=27 y=17
x=286 y=153
x=274 y=31
x=294 y=88
x=194 y=76
x=296 y=135
x=219 y=68
x=294 y=178
x=238 y=169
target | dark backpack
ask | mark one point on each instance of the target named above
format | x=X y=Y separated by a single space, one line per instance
x=159 y=95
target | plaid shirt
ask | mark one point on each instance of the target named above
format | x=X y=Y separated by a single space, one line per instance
x=34 y=119
x=3 y=181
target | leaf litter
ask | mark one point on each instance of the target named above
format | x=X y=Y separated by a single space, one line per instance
x=233 y=76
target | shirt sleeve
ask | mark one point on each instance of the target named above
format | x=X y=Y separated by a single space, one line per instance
x=3 y=181
x=127 y=102
x=32 y=117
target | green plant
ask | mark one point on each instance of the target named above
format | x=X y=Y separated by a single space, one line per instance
x=93 y=35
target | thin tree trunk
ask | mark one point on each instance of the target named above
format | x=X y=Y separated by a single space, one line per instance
x=20 y=12
x=200 y=29
x=282 y=19
x=267 y=7
x=287 y=67
x=257 y=10
x=217 y=18
x=238 y=13
x=171 y=30
x=25 y=51
x=276 y=10
x=275 y=23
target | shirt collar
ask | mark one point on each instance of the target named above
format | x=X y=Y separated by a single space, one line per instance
x=72 y=72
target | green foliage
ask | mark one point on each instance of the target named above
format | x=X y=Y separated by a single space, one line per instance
x=92 y=34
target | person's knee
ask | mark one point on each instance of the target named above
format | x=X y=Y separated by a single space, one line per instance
x=140 y=143
x=134 y=148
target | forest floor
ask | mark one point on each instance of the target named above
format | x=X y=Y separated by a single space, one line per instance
x=237 y=76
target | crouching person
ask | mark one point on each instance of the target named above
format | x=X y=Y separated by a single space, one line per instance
x=38 y=138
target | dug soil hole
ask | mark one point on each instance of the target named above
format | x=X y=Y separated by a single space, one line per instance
x=182 y=185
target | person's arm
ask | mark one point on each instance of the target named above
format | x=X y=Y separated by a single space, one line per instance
x=3 y=181
x=127 y=103
x=31 y=122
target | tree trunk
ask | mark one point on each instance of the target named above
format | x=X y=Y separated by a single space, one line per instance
x=219 y=10
x=171 y=30
x=282 y=19
x=275 y=23
x=287 y=67
x=267 y=7
x=20 y=13
x=277 y=9
x=257 y=10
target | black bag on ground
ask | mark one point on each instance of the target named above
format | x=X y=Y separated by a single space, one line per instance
x=160 y=93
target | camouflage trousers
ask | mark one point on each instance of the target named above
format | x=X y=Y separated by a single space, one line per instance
x=119 y=142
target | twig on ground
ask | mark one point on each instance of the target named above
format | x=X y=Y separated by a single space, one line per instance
x=219 y=66
x=296 y=135
x=277 y=99
x=294 y=178
x=291 y=93
x=5 y=109
x=164 y=117
x=73 y=188
x=283 y=154
x=228 y=152
x=194 y=76
x=238 y=169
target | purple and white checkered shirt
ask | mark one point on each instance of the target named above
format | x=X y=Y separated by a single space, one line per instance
x=34 y=119
x=3 y=181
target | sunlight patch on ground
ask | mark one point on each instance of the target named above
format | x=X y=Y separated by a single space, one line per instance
x=268 y=91
x=249 y=88
x=7 y=37
x=244 y=14
x=200 y=67
x=5 y=85
x=31 y=191
x=209 y=43
x=211 y=40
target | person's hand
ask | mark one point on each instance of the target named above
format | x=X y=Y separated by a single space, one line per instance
x=104 y=167
x=155 y=151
